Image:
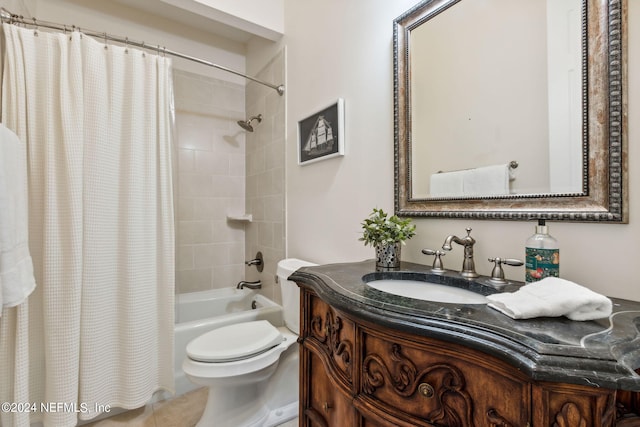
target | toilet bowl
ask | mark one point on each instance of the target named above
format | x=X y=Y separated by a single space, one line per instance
x=251 y=368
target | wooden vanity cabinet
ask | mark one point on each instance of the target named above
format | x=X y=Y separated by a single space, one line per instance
x=358 y=374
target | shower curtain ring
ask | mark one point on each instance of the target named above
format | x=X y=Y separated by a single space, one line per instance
x=143 y=53
x=35 y=23
x=126 y=45
x=105 y=40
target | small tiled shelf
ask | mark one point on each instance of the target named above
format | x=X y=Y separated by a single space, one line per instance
x=240 y=217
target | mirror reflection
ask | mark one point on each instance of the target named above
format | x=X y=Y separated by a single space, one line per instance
x=496 y=99
x=511 y=109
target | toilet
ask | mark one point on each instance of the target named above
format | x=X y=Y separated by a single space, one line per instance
x=251 y=368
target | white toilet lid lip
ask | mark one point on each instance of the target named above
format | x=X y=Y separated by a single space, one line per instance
x=234 y=342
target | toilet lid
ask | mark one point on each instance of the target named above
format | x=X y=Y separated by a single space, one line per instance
x=234 y=342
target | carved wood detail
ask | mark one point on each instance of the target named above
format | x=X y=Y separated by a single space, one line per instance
x=403 y=377
x=454 y=404
x=570 y=416
x=328 y=333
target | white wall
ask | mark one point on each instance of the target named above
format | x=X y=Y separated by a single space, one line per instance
x=341 y=49
x=344 y=49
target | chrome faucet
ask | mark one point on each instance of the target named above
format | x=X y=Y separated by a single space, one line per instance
x=468 y=266
x=251 y=285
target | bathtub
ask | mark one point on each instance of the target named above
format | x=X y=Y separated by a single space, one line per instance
x=200 y=312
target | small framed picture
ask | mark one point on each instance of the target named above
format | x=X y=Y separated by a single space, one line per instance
x=321 y=135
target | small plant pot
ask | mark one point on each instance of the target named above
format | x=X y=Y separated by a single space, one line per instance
x=388 y=255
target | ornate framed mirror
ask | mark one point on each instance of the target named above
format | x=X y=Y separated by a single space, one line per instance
x=511 y=110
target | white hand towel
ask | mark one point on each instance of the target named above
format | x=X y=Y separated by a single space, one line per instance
x=447 y=184
x=487 y=181
x=16 y=268
x=552 y=297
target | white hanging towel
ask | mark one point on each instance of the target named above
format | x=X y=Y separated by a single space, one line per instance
x=487 y=181
x=447 y=184
x=552 y=297
x=16 y=268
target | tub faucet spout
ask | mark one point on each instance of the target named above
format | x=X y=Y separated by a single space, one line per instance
x=251 y=285
x=468 y=266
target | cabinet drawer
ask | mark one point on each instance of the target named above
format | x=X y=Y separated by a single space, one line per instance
x=330 y=334
x=433 y=382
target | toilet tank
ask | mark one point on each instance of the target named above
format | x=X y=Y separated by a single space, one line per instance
x=290 y=291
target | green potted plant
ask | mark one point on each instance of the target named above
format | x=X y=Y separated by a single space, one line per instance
x=386 y=234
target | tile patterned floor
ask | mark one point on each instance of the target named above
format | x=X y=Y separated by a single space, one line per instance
x=183 y=411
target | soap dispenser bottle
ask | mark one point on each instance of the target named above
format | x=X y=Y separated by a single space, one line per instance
x=542 y=255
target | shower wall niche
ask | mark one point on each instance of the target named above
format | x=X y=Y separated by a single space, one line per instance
x=209 y=182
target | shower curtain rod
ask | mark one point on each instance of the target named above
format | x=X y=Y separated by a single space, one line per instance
x=11 y=18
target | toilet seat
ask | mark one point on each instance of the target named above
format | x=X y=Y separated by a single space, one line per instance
x=234 y=342
x=247 y=365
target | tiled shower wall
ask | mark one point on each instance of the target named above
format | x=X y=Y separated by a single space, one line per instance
x=265 y=159
x=210 y=182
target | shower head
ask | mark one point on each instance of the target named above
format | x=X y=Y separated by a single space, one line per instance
x=246 y=125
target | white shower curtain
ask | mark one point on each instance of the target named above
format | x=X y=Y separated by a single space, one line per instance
x=97 y=122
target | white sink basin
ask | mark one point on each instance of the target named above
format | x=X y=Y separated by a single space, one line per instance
x=427 y=291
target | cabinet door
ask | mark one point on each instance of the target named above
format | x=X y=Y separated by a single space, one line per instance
x=436 y=383
x=323 y=403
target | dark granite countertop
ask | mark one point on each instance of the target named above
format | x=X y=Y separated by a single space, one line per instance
x=601 y=353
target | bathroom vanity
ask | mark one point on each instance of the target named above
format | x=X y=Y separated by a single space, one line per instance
x=371 y=358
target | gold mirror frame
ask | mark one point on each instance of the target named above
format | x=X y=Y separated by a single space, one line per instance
x=604 y=197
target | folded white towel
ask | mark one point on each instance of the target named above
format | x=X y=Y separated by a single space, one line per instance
x=487 y=181
x=16 y=267
x=447 y=184
x=552 y=297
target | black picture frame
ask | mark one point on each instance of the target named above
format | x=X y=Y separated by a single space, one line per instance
x=321 y=134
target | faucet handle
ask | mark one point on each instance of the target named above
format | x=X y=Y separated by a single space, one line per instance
x=258 y=261
x=437 y=267
x=497 y=274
